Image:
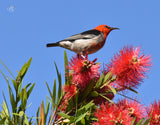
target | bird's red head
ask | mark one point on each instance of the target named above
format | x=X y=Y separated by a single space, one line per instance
x=105 y=29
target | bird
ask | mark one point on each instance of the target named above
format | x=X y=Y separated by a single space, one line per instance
x=87 y=42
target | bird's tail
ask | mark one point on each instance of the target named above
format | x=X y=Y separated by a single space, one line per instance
x=52 y=44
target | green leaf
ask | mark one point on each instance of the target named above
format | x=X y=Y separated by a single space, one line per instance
x=147 y=121
x=47 y=110
x=25 y=120
x=85 y=108
x=89 y=105
x=80 y=117
x=5 y=101
x=37 y=114
x=7 y=69
x=108 y=76
x=99 y=82
x=64 y=115
x=133 y=121
x=133 y=90
x=12 y=100
x=140 y=122
x=4 y=77
x=54 y=92
x=30 y=90
x=60 y=85
x=66 y=68
x=112 y=89
x=106 y=98
x=15 y=84
x=23 y=71
x=2 y=121
x=5 y=109
x=88 y=89
x=24 y=98
x=49 y=90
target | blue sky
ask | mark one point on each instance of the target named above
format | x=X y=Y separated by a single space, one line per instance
x=28 y=25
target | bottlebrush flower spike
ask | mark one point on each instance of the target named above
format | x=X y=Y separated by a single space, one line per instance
x=134 y=108
x=70 y=92
x=130 y=66
x=83 y=71
x=154 y=112
x=111 y=114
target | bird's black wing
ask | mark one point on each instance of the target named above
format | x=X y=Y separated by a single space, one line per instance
x=84 y=35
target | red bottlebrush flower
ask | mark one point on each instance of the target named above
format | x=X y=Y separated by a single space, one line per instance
x=154 y=112
x=70 y=91
x=130 y=66
x=111 y=114
x=99 y=99
x=134 y=108
x=83 y=71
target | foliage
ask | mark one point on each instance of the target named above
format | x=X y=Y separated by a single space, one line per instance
x=18 y=99
x=85 y=98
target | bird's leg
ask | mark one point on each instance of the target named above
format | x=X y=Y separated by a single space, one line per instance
x=83 y=56
x=80 y=55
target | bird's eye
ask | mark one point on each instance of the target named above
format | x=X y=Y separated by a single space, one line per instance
x=108 y=27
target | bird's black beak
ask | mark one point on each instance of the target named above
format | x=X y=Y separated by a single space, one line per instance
x=113 y=28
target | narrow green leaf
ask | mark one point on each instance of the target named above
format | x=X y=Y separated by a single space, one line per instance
x=66 y=68
x=64 y=115
x=24 y=98
x=54 y=92
x=4 y=77
x=37 y=114
x=87 y=106
x=47 y=109
x=133 y=90
x=99 y=82
x=112 y=89
x=81 y=117
x=12 y=100
x=108 y=76
x=140 y=122
x=2 y=121
x=26 y=120
x=5 y=101
x=49 y=90
x=106 y=98
x=60 y=85
x=133 y=121
x=15 y=114
x=5 y=109
x=30 y=90
x=28 y=85
x=19 y=87
x=7 y=69
x=14 y=84
x=23 y=71
x=147 y=121
x=88 y=89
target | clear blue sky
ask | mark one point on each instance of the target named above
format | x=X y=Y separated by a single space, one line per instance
x=28 y=25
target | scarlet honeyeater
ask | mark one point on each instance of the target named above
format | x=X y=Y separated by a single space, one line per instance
x=87 y=42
